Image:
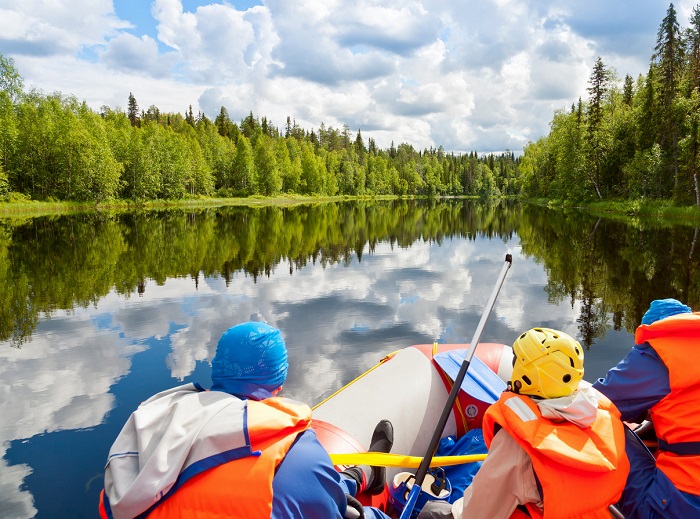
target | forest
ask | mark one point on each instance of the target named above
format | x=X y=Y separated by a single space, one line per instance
x=53 y=147
x=627 y=140
x=631 y=139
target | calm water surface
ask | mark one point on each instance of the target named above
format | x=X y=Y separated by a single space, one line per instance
x=99 y=312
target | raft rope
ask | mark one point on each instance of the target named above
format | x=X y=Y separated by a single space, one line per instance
x=388 y=357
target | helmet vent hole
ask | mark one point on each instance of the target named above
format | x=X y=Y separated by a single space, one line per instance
x=527 y=380
x=571 y=361
x=523 y=335
x=567 y=378
x=577 y=352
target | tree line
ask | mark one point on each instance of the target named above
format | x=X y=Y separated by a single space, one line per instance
x=53 y=147
x=635 y=140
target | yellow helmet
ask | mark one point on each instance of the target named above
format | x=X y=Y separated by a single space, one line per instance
x=548 y=363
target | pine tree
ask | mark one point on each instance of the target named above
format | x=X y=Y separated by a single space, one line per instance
x=597 y=90
x=668 y=55
x=360 y=148
x=628 y=91
x=693 y=50
x=133 y=111
x=189 y=117
x=225 y=126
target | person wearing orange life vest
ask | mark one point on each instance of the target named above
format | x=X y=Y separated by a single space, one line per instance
x=555 y=444
x=236 y=451
x=659 y=380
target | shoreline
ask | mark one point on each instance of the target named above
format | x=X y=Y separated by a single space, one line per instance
x=643 y=209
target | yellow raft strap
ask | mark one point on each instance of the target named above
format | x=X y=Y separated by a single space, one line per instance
x=380 y=459
x=388 y=357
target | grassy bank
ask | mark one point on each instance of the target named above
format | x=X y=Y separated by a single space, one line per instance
x=642 y=209
x=639 y=209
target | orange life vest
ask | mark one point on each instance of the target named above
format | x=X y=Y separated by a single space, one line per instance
x=581 y=470
x=676 y=417
x=240 y=489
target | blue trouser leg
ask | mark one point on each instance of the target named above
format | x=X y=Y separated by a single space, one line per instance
x=649 y=494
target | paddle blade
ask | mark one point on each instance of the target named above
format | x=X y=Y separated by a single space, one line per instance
x=480 y=381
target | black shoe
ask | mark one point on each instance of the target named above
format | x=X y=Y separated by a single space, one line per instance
x=382 y=437
x=382 y=441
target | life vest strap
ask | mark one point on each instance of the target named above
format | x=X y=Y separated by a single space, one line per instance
x=680 y=448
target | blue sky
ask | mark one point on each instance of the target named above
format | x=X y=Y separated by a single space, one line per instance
x=483 y=76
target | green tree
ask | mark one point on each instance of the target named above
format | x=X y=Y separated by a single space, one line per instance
x=94 y=173
x=225 y=126
x=10 y=80
x=360 y=148
x=291 y=178
x=133 y=110
x=311 y=179
x=267 y=171
x=692 y=51
x=668 y=54
x=189 y=116
x=4 y=183
x=628 y=91
x=690 y=149
x=648 y=119
x=284 y=163
x=244 y=178
x=8 y=131
x=596 y=147
x=217 y=150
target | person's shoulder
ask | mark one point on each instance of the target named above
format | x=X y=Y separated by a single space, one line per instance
x=645 y=350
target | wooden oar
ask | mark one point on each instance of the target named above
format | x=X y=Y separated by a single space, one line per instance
x=452 y=397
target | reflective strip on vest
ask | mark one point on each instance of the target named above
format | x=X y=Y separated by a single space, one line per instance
x=521 y=409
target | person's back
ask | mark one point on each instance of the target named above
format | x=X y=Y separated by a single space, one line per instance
x=659 y=380
x=234 y=451
x=549 y=436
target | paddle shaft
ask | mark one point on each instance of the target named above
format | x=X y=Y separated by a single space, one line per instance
x=452 y=397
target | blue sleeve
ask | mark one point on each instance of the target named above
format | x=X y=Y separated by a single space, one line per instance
x=637 y=383
x=306 y=485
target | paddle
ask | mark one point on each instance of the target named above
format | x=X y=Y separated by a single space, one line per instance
x=452 y=397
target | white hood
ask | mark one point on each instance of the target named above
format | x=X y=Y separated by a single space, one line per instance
x=170 y=433
x=579 y=408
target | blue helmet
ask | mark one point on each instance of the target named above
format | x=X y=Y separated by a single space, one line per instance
x=250 y=361
x=662 y=308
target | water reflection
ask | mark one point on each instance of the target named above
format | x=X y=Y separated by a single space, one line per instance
x=100 y=312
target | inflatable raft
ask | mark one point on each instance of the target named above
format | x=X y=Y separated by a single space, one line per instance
x=410 y=388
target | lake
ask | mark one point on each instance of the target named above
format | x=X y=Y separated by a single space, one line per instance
x=100 y=311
